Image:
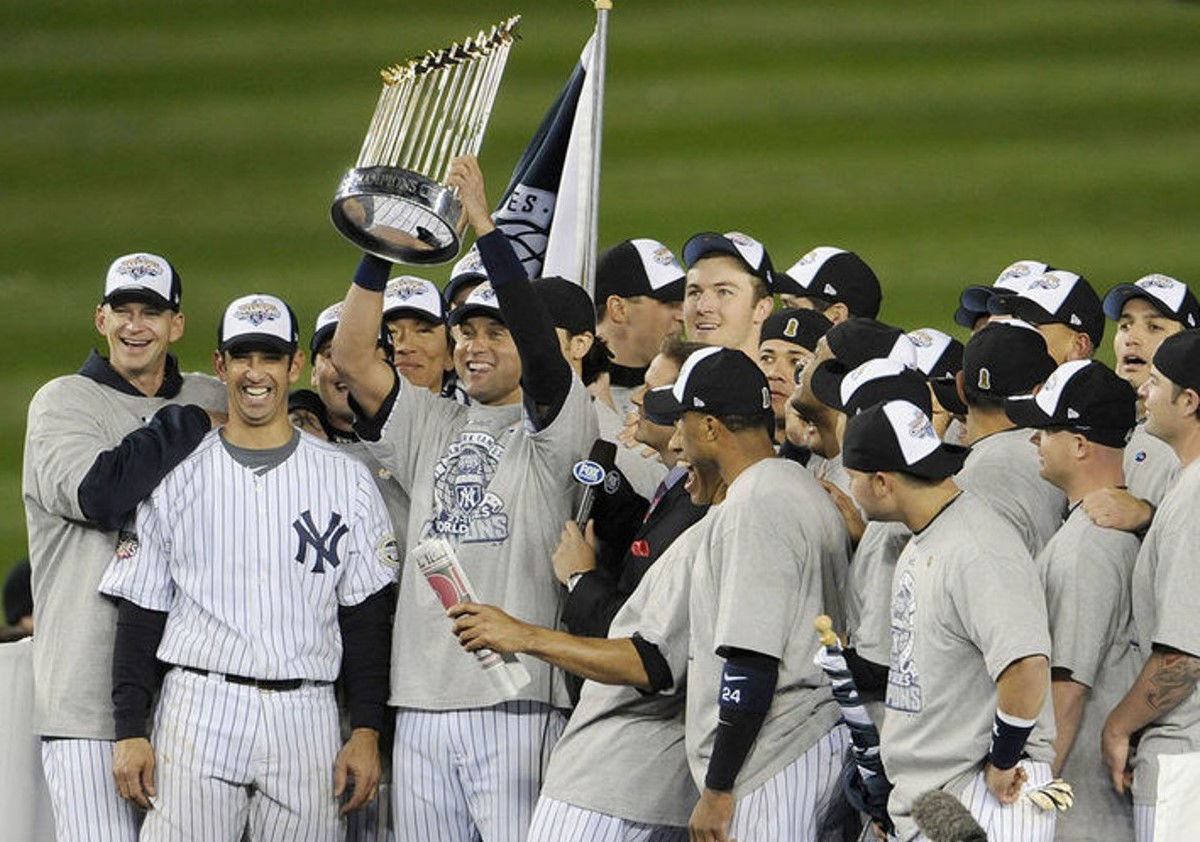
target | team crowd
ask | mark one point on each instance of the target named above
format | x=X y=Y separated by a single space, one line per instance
x=421 y=600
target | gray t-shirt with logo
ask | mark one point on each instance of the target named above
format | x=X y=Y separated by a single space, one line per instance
x=966 y=603
x=1086 y=572
x=1166 y=582
x=72 y=420
x=869 y=597
x=759 y=582
x=1150 y=464
x=500 y=490
x=1004 y=469
x=623 y=751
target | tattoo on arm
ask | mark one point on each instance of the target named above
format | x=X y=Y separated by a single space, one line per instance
x=1173 y=681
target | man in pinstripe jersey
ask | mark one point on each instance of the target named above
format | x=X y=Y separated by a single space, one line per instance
x=259 y=569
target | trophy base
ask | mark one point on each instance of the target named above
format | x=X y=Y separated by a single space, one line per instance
x=398 y=215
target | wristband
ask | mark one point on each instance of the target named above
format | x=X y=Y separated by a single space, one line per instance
x=372 y=273
x=1009 y=734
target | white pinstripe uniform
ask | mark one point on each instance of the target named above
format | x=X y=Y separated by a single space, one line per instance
x=251 y=568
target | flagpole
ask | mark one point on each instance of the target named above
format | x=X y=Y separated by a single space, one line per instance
x=600 y=47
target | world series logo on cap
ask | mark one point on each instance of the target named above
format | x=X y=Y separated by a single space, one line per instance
x=256 y=311
x=139 y=266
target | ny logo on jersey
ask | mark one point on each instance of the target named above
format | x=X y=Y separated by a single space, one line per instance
x=324 y=544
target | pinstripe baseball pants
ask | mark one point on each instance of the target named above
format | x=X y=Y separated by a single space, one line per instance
x=554 y=821
x=231 y=757
x=790 y=806
x=474 y=774
x=83 y=795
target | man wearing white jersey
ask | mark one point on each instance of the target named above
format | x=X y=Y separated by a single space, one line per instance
x=1163 y=704
x=1147 y=312
x=968 y=703
x=494 y=479
x=1082 y=416
x=258 y=570
x=763 y=739
x=96 y=443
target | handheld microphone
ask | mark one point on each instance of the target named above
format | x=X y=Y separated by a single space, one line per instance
x=943 y=818
x=590 y=473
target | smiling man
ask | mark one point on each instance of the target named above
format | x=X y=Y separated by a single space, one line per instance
x=96 y=443
x=258 y=571
x=727 y=296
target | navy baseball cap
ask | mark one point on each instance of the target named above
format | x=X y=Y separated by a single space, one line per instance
x=898 y=436
x=750 y=252
x=569 y=304
x=1006 y=358
x=851 y=390
x=837 y=276
x=797 y=326
x=716 y=381
x=258 y=320
x=1178 y=358
x=468 y=271
x=973 y=302
x=1055 y=297
x=855 y=341
x=939 y=358
x=640 y=267
x=143 y=277
x=1170 y=297
x=1083 y=396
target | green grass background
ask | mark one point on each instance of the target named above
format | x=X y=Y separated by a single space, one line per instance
x=941 y=140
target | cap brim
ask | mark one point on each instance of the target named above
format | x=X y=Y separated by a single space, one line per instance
x=413 y=312
x=976 y=297
x=708 y=244
x=946 y=391
x=1023 y=410
x=1115 y=298
x=466 y=311
x=142 y=295
x=826 y=383
x=258 y=342
x=944 y=462
x=964 y=317
x=661 y=407
x=1022 y=308
x=321 y=337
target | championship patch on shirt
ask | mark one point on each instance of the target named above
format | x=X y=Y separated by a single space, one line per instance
x=127 y=544
x=388 y=551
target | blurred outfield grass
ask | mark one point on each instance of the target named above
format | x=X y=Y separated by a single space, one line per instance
x=940 y=140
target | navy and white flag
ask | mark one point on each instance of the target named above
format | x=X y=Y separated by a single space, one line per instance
x=544 y=208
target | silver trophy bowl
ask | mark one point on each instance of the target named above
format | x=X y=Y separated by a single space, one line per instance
x=398 y=215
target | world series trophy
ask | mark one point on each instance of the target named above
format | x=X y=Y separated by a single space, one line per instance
x=431 y=110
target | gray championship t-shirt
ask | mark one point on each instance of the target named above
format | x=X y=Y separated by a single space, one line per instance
x=1004 y=470
x=869 y=597
x=1150 y=464
x=72 y=420
x=1166 y=584
x=1086 y=571
x=485 y=479
x=394 y=496
x=623 y=751
x=759 y=582
x=966 y=603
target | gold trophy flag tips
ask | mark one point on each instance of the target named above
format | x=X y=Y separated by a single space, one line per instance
x=432 y=109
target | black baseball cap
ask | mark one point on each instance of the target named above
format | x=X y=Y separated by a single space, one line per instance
x=1178 y=358
x=143 y=277
x=1055 y=297
x=1170 y=297
x=875 y=381
x=716 y=381
x=259 y=320
x=569 y=304
x=481 y=302
x=797 y=326
x=973 y=302
x=640 y=267
x=1006 y=358
x=939 y=358
x=749 y=251
x=836 y=275
x=1083 y=396
x=898 y=436
x=855 y=341
x=468 y=271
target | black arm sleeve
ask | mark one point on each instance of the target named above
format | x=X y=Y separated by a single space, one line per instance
x=367 y=656
x=121 y=478
x=738 y=729
x=656 y=666
x=545 y=374
x=136 y=674
x=869 y=677
x=371 y=429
